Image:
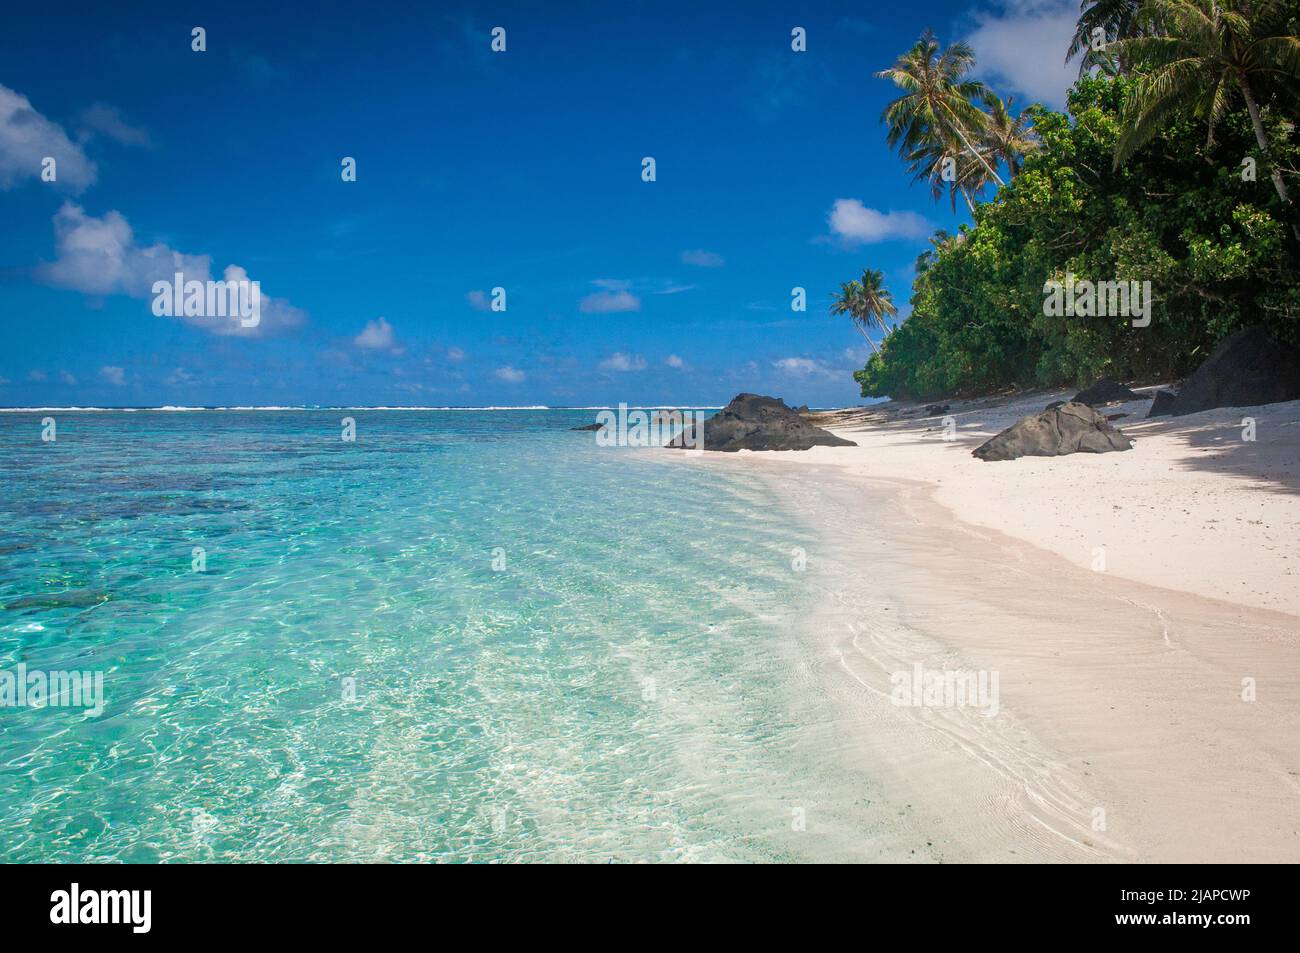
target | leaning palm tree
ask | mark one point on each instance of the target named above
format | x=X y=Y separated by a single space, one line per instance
x=849 y=301
x=947 y=168
x=1202 y=55
x=1008 y=137
x=866 y=302
x=938 y=103
x=1117 y=20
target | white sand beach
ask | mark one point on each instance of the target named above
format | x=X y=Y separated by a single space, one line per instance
x=1126 y=728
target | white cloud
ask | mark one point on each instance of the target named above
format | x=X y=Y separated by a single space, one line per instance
x=37 y=376
x=108 y=121
x=478 y=299
x=377 y=335
x=99 y=256
x=510 y=374
x=67 y=378
x=618 y=361
x=804 y=367
x=114 y=375
x=180 y=376
x=455 y=354
x=1020 y=48
x=702 y=259
x=853 y=222
x=672 y=360
x=615 y=297
x=27 y=137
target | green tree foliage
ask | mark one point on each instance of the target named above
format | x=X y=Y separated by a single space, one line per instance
x=1216 y=247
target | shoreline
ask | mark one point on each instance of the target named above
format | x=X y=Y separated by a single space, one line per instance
x=1192 y=507
x=1122 y=734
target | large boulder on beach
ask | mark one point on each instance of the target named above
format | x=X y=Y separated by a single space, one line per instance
x=1105 y=391
x=1247 y=369
x=753 y=422
x=1162 y=404
x=1070 y=428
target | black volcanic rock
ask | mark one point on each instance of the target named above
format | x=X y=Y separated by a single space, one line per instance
x=934 y=410
x=752 y=422
x=1247 y=369
x=588 y=427
x=1072 y=428
x=1103 y=392
x=1161 y=405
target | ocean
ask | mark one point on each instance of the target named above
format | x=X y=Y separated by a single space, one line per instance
x=467 y=635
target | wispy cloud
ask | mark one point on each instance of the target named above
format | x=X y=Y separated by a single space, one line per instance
x=108 y=121
x=114 y=375
x=702 y=259
x=614 y=297
x=780 y=81
x=853 y=223
x=27 y=137
x=253 y=67
x=805 y=367
x=618 y=361
x=855 y=25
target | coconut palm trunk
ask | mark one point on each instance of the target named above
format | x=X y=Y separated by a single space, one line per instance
x=868 y=337
x=1261 y=137
x=956 y=127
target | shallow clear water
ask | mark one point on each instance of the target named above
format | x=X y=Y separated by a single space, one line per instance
x=628 y=686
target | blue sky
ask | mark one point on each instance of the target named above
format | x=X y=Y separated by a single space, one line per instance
x=475 y=170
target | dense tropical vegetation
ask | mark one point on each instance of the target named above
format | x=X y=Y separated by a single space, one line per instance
x=1175 y=163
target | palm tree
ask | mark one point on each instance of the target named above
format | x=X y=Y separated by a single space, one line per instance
x=1007 y=136
x=1203 y=54
x=1118 y=20
x=866 y=301
x=937 y=107
x=930 y=162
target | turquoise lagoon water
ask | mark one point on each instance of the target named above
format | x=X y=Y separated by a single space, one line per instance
x=624 y=684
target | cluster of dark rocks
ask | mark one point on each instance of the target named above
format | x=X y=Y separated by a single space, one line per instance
x=754 y=422
x=1247 y=369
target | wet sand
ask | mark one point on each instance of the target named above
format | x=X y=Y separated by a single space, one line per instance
x=1135 y=723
